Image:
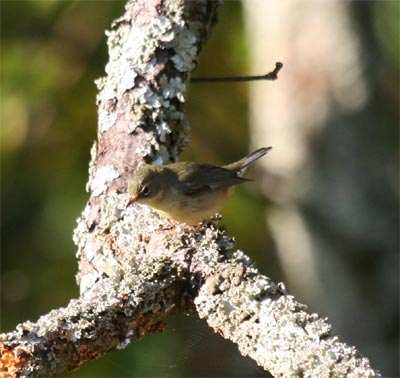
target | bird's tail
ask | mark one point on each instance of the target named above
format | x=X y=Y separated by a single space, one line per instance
x=241 y=165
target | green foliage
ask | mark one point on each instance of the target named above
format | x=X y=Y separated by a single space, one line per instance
x=387 y=26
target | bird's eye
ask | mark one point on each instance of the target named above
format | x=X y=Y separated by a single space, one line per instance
x=145 y=191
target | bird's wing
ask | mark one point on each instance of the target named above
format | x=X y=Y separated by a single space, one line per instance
x=208 y=178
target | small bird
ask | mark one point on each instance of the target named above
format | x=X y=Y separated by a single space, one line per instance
x=188 y=192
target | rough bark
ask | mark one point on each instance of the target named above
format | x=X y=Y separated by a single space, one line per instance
x=134 y=269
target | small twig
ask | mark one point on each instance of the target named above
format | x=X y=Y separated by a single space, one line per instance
x=273 y=75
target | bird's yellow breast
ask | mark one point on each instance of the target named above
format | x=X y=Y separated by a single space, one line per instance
x=190 y=209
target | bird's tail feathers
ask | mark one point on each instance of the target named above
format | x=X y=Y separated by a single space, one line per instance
x=250 y=158
x=241 y=165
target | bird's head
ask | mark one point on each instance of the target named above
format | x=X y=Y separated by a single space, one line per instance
x=150 y=185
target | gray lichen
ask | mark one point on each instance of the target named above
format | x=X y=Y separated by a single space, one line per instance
x=133 y=51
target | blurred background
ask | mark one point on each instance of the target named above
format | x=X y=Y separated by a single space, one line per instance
x=322 y=215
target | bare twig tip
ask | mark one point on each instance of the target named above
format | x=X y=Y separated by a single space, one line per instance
x=273 y=75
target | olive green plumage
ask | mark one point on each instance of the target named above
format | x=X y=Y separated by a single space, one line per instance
x=188 y=192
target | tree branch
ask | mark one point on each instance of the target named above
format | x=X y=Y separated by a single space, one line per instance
x=133 y=270
x=273 y=75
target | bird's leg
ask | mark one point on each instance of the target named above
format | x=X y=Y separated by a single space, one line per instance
x=214 y=220
x=170 y=224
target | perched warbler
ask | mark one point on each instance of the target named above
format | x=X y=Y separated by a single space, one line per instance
x=188 y=192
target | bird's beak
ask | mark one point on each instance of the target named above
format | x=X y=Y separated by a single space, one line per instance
x=132 y=200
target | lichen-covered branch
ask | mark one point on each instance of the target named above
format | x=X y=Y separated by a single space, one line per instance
x=135 y=268
x=153 y=48
x=104 y=319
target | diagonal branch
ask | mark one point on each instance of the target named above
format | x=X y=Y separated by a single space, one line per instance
x=134 y=271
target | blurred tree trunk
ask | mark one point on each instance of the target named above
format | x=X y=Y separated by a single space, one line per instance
x=332 y=119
